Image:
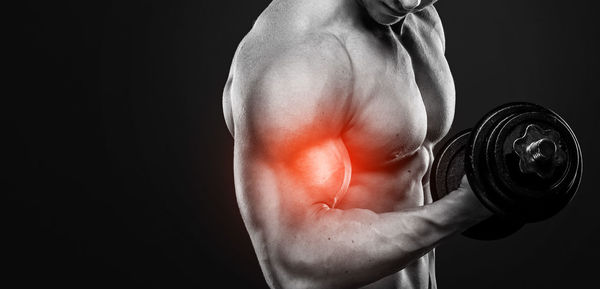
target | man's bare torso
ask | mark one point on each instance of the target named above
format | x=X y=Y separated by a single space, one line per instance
x=402 y=103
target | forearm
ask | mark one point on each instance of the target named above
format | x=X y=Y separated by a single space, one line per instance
x=348 y=248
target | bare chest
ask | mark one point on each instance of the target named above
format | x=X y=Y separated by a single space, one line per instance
x=403 y=98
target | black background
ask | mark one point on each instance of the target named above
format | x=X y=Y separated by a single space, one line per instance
x=120 y=164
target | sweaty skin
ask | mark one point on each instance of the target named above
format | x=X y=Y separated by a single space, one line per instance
x=335 y=106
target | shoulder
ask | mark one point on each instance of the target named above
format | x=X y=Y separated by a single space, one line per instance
x=292 y=86
x=319 y=61
x=264 y=56
x=284 y=47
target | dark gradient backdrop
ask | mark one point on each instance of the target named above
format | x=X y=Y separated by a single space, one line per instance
x=120 y=164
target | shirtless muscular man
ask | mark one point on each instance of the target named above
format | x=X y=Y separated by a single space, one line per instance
x=335 y=106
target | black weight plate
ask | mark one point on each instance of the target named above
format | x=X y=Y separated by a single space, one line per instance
x=536 y=199
x=448 y=167
x=519 y=184
x=476 y=166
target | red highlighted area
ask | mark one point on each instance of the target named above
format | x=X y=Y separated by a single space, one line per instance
x=324 y=168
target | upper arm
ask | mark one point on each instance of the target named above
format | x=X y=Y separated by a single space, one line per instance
x=288 y=151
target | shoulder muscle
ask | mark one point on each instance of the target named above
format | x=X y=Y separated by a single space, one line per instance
x=302 y=95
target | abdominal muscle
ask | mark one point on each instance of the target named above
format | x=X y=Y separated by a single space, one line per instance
x=397 y=185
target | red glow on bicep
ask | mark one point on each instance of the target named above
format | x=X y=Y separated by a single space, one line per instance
x=325 y=168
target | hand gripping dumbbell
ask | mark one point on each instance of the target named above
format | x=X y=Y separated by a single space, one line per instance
x=522 y=161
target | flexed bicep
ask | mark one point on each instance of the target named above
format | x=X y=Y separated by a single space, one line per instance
x=288 y=124
x=325 y=169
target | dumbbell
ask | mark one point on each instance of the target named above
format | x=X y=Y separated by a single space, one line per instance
x=522 y=161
